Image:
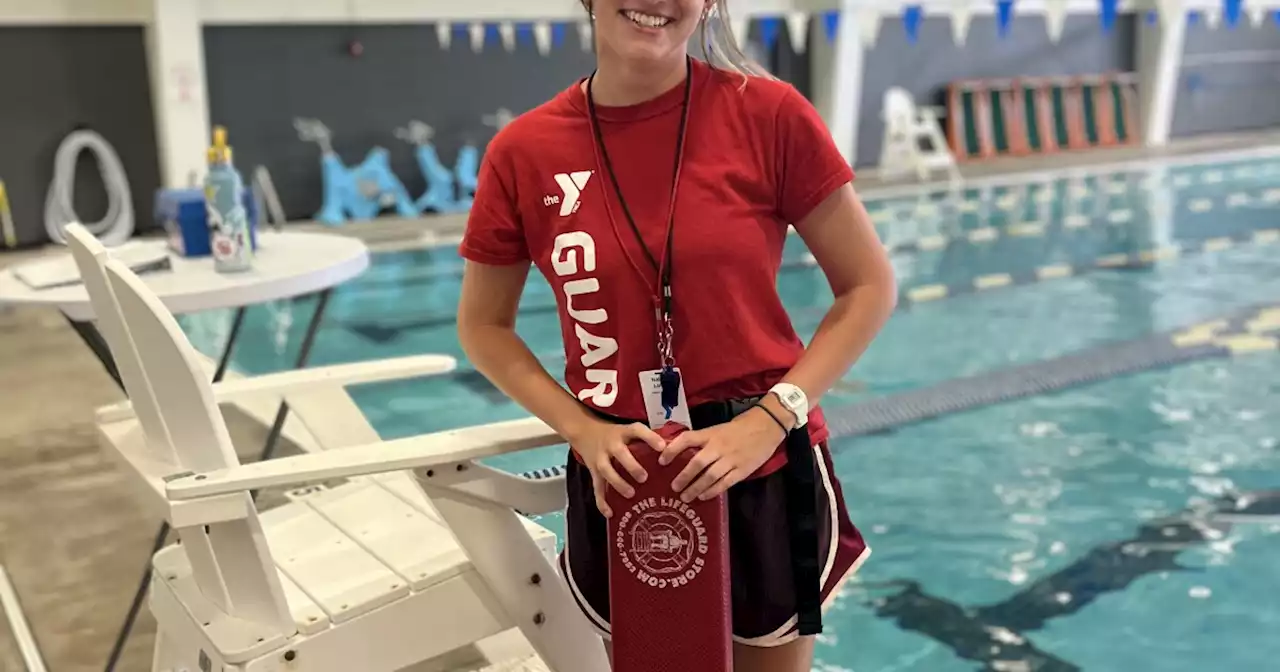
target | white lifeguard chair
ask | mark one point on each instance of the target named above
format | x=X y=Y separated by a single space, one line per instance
x=913 y=139
x=420 y=554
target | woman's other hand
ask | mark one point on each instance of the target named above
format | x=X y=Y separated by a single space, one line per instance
x=602 y=443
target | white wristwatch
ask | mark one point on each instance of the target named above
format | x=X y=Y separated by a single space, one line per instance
x=793 y=400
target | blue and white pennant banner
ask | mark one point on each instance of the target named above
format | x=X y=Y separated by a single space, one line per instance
x=867 y=18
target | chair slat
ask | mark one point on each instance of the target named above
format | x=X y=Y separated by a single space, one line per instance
x=419 y=549
x=331 y=568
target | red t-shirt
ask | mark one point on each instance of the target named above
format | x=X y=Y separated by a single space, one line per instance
x=756 y=159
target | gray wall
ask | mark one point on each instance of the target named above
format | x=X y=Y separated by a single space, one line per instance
x=934 y=60
x=55 y=78
x=260 y=78
x=1230 y=79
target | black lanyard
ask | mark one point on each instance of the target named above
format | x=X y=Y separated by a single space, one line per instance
x=670 y=379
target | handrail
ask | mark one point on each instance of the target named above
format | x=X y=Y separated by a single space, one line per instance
x=22 y=634
x=439 y=449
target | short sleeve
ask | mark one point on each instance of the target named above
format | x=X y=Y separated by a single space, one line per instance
x=494 y=233
x=809 y=167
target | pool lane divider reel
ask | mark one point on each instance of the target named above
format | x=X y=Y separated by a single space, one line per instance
x=1025 y=116
x=669 y=591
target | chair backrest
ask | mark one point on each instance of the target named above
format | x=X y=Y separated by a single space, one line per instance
x=231 y=560
x=899 y=108
x=182 y=392
x=90 y=255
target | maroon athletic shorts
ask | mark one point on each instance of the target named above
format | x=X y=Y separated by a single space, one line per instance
x=760 y=543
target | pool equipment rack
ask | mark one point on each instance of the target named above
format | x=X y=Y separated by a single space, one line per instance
x=1025 y=116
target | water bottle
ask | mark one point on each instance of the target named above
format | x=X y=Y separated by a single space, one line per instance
x=224 y=202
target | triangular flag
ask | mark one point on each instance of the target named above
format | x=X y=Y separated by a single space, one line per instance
x=798 y=31
x=741 y=30
x=477 y=37
x=769 y=27
x=1108 y=15
x=542 y=37
x=1171 y=11
x=524 y=33
x=1212 y=17
x=961 y=17
x=912 y=17
x=1004 y=16
x=444 y=35
x=507 y=31
x=1153 y=17
x=586 y=34
x=869 y=25
x=1231 y=12
x=1275 y=16
x=558 y=33
x=1257 y=14
x=831 y=22
x=1055 y=18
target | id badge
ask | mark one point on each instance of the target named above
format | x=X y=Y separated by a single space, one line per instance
x=651 y=386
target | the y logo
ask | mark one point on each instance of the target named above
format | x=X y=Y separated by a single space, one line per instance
x=572 y=184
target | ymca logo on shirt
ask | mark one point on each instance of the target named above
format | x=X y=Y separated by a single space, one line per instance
x=571 y=186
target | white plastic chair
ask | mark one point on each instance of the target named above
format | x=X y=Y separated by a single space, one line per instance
x=906 y=127
x=370 y=576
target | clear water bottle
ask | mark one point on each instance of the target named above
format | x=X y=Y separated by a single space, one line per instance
x=229 y=235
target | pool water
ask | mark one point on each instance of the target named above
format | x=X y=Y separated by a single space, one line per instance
x=1022 y=508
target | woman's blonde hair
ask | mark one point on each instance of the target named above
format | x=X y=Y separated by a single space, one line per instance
x=720 y=47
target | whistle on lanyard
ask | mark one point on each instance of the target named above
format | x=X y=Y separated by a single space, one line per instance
x=670 y=380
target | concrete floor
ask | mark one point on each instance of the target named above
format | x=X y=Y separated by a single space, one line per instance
x=71 y=537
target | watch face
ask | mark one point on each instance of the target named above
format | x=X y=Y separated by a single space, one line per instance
x=794 y=397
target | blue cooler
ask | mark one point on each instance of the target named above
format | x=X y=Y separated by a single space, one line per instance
x=182 y=214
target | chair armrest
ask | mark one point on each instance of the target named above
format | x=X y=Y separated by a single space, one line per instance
x=419 y=452
x=302 y=380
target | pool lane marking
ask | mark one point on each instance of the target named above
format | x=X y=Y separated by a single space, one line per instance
x=1265 y=322
x=1248 y=334
x=1143 y=258
x=985 y=234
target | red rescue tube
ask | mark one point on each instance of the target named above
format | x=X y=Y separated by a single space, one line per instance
x=669 y=596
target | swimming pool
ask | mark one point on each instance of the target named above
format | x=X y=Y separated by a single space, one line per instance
x=999 y=533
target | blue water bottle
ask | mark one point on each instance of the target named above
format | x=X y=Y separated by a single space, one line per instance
x=224 y=202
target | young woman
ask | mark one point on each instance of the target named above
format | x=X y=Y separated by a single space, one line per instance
x=655 y=197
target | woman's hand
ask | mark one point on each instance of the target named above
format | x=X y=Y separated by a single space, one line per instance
x=603 y=442
x=728 y=453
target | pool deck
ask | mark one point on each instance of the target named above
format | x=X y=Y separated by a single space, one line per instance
x=70 y=534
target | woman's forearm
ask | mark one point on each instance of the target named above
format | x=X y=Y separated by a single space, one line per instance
x=850 y=325
x=504 y=358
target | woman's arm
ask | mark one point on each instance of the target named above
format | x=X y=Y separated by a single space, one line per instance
x=486 y=328
x=843 y=240
x=487 y=310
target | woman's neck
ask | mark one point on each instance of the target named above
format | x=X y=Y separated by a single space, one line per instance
x=618 y=83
